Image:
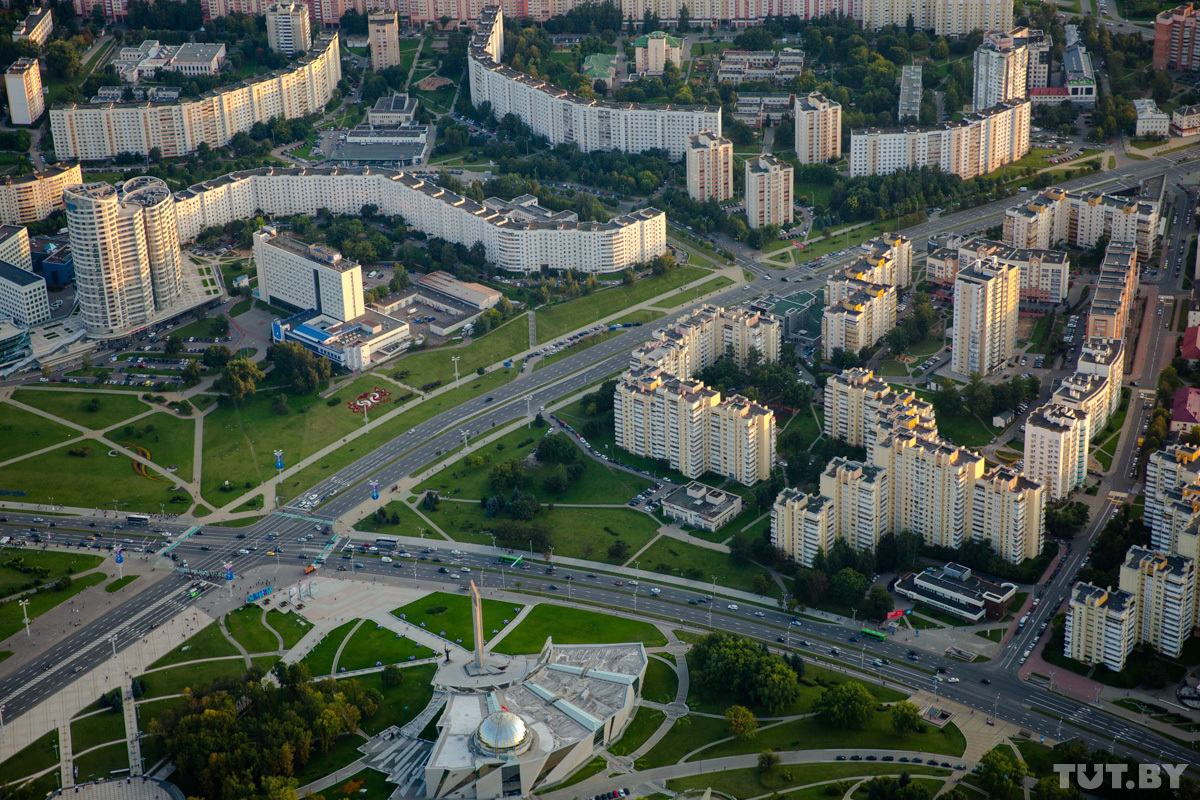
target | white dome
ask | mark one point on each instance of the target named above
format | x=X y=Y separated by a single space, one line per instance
x=502 y=731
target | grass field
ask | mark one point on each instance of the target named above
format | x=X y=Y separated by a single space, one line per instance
x=171 y=442
x=246 y=626
x=11 y=614
x=605 y=441
x=368 y=784
x=72 y=406
x=410 y=524
x=816 y=678
x=449 y=616
x=753 y=782
x=640 y=728
x=107 y=726
x=208 y=642
x=320 y=658
x=688 y=733
x=59 y=564
x=574 y=626
x=435 y=365
x=642 y=315
x=90 y=482
x=400 y=703
x=23 y=432
x=673 y=557
x=372 y=645
x=102 y=762
x=176 y=679
x=814 y=734
x=34 y=757
x=556 y=320
x=291 y=627
x=681 y=297
x=598 y=484
x=239 y=438
x=120 y=583
x=574 y=532
x=662 y=682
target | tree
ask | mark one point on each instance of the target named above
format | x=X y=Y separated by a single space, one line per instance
x=1000 y=775
x=619 y=550
x=191 y=372
x=848 y=586
x=768 y=760
x=46 y=371
x=216 y=356
x=239 y=378
x=392 y=675
x=508 y=474
x=847 y=706
x=556 y=449
x=879 y=603
x=299 y=367
x=906 y=718
x=743 y=725
x=174 y=345
x=1048 y=788
x=62 y=60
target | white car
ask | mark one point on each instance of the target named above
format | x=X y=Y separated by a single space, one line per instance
x=386 y=560
x=952 y=680
x=759 y=614
x=731 y=607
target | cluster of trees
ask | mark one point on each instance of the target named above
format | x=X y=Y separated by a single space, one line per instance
x=761 y=381
x=596 y=19
x=629 y=174
x=236 y=753
x=980 y=557
x=915 y=326
x=298 y=367
x=1119 y=534
x=840 y=576
x=185 y=16
x=703 y=217
x=728 y=666
x=900 y=194
x=1066 y=520
x=982 y=399
x=239 y=378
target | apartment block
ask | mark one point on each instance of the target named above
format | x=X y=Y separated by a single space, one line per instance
x=1115 y=293
x=1045 y=274
x=307 y=276
x=23 y=83
x=769 y=188
x=288 y=28
x=986 y=302
x=802 y=525
x=1008 y=512
x=14 y=247
x=858 y=495
x=953 y=18
x=1040 y=46
x=1185 y=121
x=709 y=167
x=150 y=204
x=1164 y=588
x=861 y=318
x=383 y=33
x=1001 y=70
x=1056 y=449
x=1079 y=219
x=688 y=425
x=36 y=27
x=818 y=129
x=1090 y=396
x=1172 y=495
x=1104 y=358
x=911 y=90
x=1100 y=626
x=696 y=342
x=769 y=66
x=563 y=117
x=1176 y=45
x=860 y=407
x=652 y=53
x=886 y=259
x=92 y=131
x=23 y=296
x=977 y=144
x=517 y=236
x=32 y=197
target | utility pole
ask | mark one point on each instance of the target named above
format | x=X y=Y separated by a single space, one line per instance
x=528 y=413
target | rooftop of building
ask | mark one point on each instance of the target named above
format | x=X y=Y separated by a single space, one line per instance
x=1055 y=417
x=705 y=140
x=9 y=231
x=1185 y=408
x=813 y=101
x=955 y=581
x=966 y=121
x=31 y=21
x=1186 y=111
x=702 y=499
x=1114 y=600
x=644 y=41
x=198 y=53
x=765 y=163
x=396 y=103
x=321 y=254
x=980 y=247
x=1172 y=563
x=16 y=275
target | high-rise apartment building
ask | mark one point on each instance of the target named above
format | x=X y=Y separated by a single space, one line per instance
x=858 y=495
x=383 y=33
x=860 y=317
x=23 y=82
x=688 y=425
x=288 y=28
x=125 y=247
x=1115 y=293
x=709 y=167
x=802 y=525
x=1045 y=274
x=1039 y=44
x=986 y=303
x=768 y=192
x=1172 y=494
x=886 y=259
x=1104 y=358
x=1001 y=70
x=306 y=276
x=1079 y=219
x=1056 y=449
x=818 y=129
x=860 y=409
x=36 y=195
x=36 y=27
x=709 y=332
x=1100 y=626
x=14 y=247
x=1163 y=587
x=1176 y=45
x=23 y=296
x=1008 y=512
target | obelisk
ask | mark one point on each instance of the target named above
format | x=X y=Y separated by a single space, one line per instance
x=477 y=618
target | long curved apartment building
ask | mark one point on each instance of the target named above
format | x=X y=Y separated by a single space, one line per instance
x=90 y=131
x=563 y=117
x=25 y=199
x=516 y=236
x=126 y=252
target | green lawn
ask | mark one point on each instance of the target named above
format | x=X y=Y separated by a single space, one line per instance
x=565 y=317
x=320 y=658
x=176 y=679
x=673 y=557
x=23 y=432
x=59 y=564
x=752 y=782
x=574 y=532
x=380 y=434
x=662 y=682
x=449 y=616
x=120 y=583
x=35 y=757
x=574 y=626
x=208 y=642
x=73 y=406
x=246 y=626
x=239 y=438
x=90 y=482
x=580 y=345
x=370 y=644
x=151 y=710
x=367 y=784
x=11 y=614
x=400 y=703
x=343 y=752
x=815 y=679
x=681 y=297
x=687 y=734
x=171 y=441
x=643 y=725
x=642 y=315
x=605 y=441
x=291 y=627
x=598 y=484
x=87 y=732
x=814 y=734
x=101 y=763
x=992 y=634
x=493 y=347
x=409 y=525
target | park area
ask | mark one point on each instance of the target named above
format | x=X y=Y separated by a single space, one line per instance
x=575 y=626
x=449 y=616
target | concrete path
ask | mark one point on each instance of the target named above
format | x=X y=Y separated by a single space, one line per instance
x=225 y=632
x=337 y=656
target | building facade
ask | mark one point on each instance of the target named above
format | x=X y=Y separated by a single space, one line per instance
x=23 y=296
x=818 y=129
x=1079 y=219
x=307 y=276
x=1008 y=513
x=23 y=83
x=986 y=303
x=709 y=167
x=383 y=32
x=1163 y=587
x=288 y=29
x=1045 y=274
x=1176 y=46
x=1001 y=70
x=29 y=198
x=36 y=27
x=1100 y=626
x=859 y=318
x=652 y=53
x=1056 y=449
x=702 y=506
x=696 y=342
x=769 y=190
x=859 y=500
x=1151 y=121
x=802 y=525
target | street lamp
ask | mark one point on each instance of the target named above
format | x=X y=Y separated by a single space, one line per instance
x=25 y=612
x=455 y=360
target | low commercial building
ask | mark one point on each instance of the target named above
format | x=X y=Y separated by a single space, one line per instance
x=652 y=53
x=1185 y=121
x=957 y=591
x=23 y=84
x=144 y=61
x=1100 y=626
x=23 y=296
x=762 y=110
x=1079 y=77
x=475 y=295
x=352 y=344
x=1164 y=588
x=36 y=27
x=389 y=145
x=701 y=506
x=394 y=110
x=307 y=276
x=1151 y=121
x=741 y=66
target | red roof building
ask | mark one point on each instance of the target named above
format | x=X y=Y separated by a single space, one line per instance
x=1185 y=411
x=1190 y=349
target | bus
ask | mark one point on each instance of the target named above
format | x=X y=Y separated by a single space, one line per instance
x=874 y=634
x=512 y=561
x=137 y=519
x=387 y=542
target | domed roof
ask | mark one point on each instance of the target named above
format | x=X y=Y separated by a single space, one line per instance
x=502 y=731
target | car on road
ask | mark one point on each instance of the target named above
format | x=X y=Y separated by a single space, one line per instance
x=732 y=607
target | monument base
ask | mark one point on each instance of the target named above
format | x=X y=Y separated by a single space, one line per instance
x=475 y=670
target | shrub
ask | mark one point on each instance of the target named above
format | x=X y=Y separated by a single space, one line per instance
x=333 y=401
